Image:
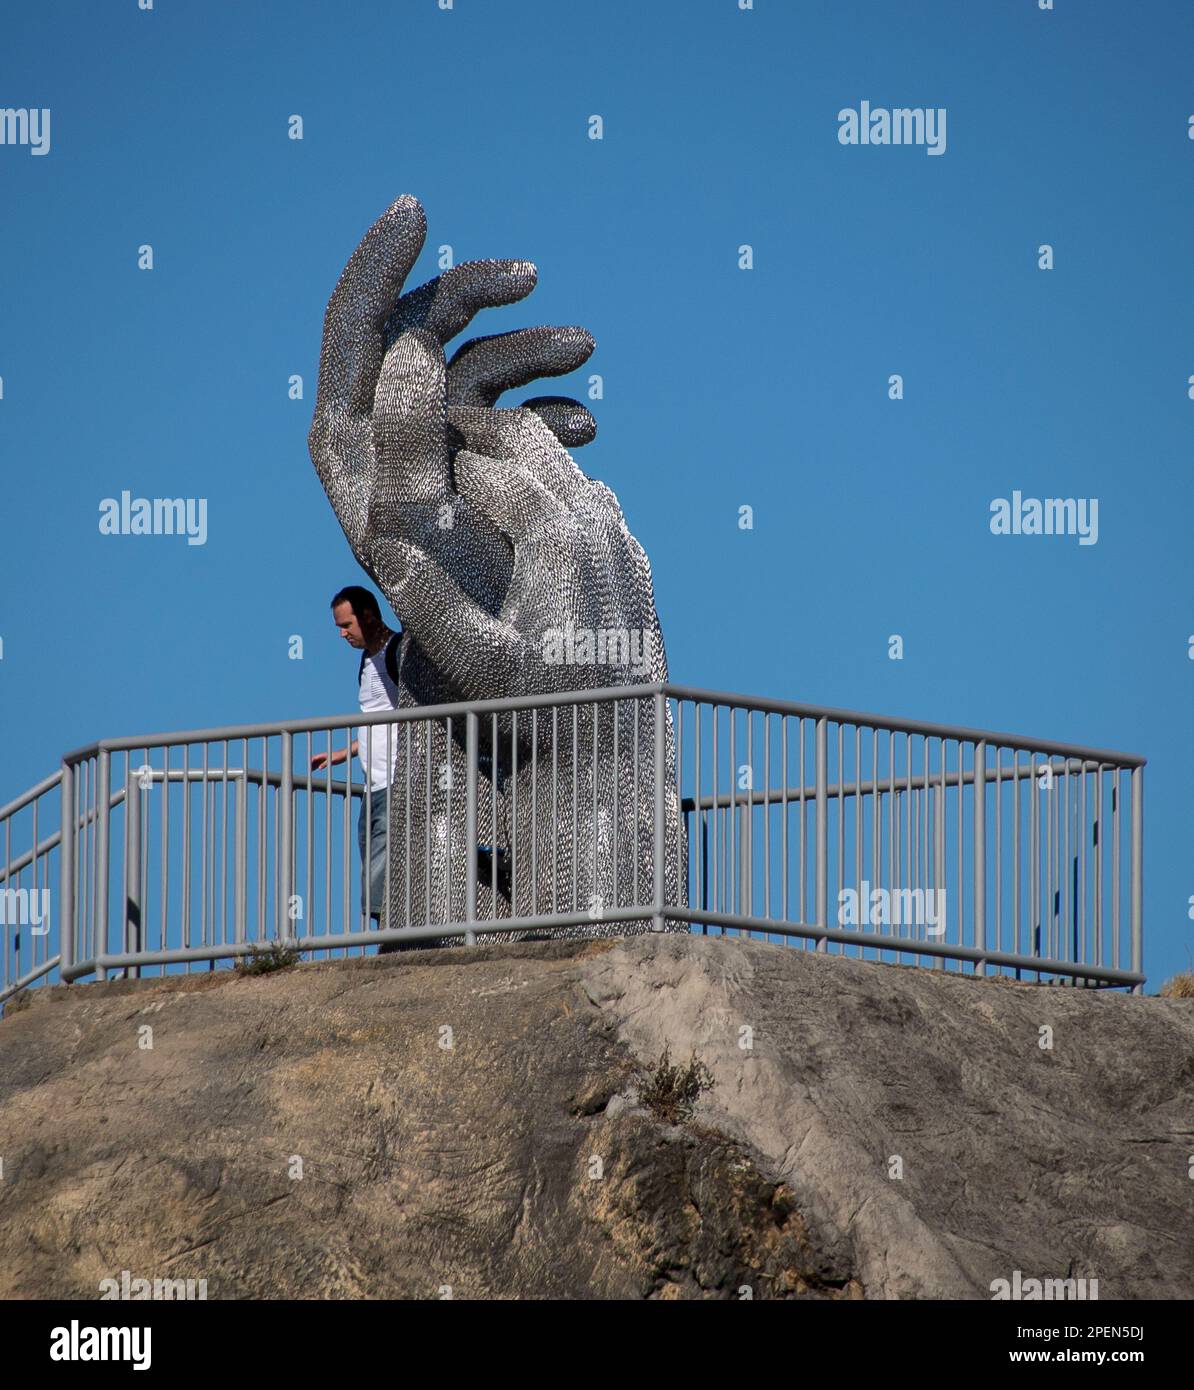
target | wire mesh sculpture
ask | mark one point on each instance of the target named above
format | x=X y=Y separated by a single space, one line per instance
x=512 y=573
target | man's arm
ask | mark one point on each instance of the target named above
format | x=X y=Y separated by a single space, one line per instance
x=320 y=760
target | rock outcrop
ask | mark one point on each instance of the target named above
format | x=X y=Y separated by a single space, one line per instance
x=467 y=1123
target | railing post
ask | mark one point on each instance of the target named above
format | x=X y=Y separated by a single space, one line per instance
x=1136 y=909
x=822 y=869
x=239 y=852
x=745 y=897
x=66 y=872
x=102 y=847
x=660 y=850
x=471 y=751
x=980 y=853
x=132 y=863
x=286 y=836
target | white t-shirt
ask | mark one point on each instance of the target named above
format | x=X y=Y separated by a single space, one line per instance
x=377 y=692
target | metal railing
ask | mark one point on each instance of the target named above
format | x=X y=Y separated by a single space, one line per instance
x=837 y=831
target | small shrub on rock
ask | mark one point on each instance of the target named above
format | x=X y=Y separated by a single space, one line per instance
x=671 y=1092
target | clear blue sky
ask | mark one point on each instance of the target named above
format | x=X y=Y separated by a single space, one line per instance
x=722 y=387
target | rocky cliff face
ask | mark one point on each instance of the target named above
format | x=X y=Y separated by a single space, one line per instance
x=467 y=1124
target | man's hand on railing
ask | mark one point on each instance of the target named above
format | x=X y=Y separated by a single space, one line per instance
x=319 y=761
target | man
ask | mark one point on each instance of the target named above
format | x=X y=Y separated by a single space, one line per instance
x=356 y=613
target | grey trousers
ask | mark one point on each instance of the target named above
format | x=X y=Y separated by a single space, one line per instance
x=373 y=872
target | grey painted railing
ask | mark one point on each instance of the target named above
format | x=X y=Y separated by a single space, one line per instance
x=843 y=832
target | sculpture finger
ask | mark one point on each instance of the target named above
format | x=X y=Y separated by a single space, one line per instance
x=446 y=305
x=482 y=368
x=409 y=431
x=522 y=437
x=340 y=439
x=513 y=499
x=478 y=654
x=567 y=419
x=353 y=346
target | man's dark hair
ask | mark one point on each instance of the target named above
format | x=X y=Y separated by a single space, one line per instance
x=361 y=600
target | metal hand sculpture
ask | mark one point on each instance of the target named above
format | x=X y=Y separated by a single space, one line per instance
x=512 y=574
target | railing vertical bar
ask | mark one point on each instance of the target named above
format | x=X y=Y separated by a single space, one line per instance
x=766 y=818
x=574 y=897
x=103 y=832
x=204 y=861
x=393 y=737
x=660 y=761
x=348 y=916
x=822 y=830
x=164 y=850
x=1115 y=874
x=637 y=802
x=309 y=847
x=1053 y=857
x=920 y=811
x=37 y=947
x=240 y=858
x=893 y=818
x=496 y=747
x=998 y=848
x=1137 y=906
x=185 y=915
x=785 y=911
x=88 y=942
x=700 y=820
x=471 y=753
x=594 y=822
x=941 y=877
x=858 y=845
x=427 y=817
x=286 y=850
x=327 y=831
x=979 y=828
x=713 y=814
x=617 y=822
x=449 y=896
x=746 y=814
x=681 y=885
x=66 y=859
x=11 y=955
x=515 y=871
x=224 y=846
x=1100 y=783
x=555 y=805
x=1034 y=868
x=803 y=917
x=146 y=822
x=132 y=858
x=1017 y=893
x=85 y=875
x=88 y=898
x=367 y=821
x=1069 y=914
x=841 y=825
x=407 y=763
x=1083 y=916
x=733 y=866
x=535 y=810
x=876 y=819
x=262 y=834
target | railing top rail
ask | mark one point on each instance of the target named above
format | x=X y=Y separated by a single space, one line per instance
x=600 y=695
x=32 y=794
x=459 y=709
x=909 y=726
